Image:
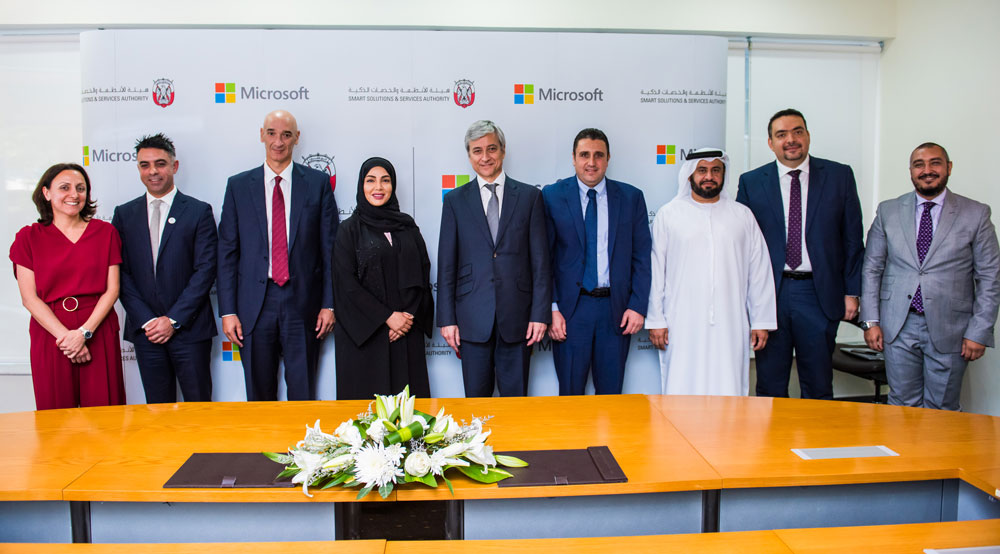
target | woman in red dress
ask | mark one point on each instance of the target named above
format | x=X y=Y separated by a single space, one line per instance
x=66 y=267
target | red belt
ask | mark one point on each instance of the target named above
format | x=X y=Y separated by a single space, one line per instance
x=74 y=303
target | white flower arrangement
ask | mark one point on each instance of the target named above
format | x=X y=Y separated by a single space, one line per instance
x=395 y=444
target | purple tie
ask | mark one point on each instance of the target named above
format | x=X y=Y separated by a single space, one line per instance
x=793 y=244
x=924 y=236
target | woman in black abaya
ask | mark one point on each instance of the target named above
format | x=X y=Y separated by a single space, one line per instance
x=382 y=293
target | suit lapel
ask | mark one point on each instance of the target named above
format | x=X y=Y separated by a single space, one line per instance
x=474 y=205
x=140 y=224
x=175 y=213
x=814 y=197
x=773 y=191
x=949 y=214
x=614 y=206
x=511 y=193
x=905 y=216
x=258 y=199
x=298 y=192
x=571 y=194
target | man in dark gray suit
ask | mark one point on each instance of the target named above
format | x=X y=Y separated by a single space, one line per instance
x=930 y=285
x=494 y=284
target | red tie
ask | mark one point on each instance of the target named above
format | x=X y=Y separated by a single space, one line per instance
x=279 y=237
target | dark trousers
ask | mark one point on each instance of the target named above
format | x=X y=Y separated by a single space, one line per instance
x=804 y=328
x=592 y=342
x=162 y=366
x=280 y=333
x=510 y=360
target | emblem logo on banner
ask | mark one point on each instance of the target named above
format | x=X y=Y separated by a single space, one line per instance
x=163 y=92
x=524 y=93
x=325 y=164
x=225 y=93
x=666 y=154
x=465 y=93
x=230 y=352
x=452 y=182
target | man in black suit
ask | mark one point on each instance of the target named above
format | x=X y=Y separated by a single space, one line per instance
x=809 y=212
x=494 y=283
x=275 y=285
x=168 y=267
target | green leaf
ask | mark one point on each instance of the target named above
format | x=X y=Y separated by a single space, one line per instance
x=390 y=426
x=510 y=461
x=364 y=492
x=282 y=459
x=385 y=489
x=340 y=479
x=492 y=474
x=394 y=416
x=288 y=472
x=433 y=438
x=428 y=480
x=448 y=482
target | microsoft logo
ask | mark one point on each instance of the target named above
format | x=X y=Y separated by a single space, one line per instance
x=666 y=154
x=86 y=156
x=230 y=351
x=225 y=93
x=524 y=93
x=452 y=182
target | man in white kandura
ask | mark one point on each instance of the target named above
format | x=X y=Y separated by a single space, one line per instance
x=712 y=296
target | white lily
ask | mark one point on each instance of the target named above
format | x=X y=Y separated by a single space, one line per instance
x=308 y=463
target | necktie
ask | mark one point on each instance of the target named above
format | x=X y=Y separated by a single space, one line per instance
x=924 y=236
x=793 y=244
x=590 y=258
x=154 y=229
x=279 y=236
x=493 y=212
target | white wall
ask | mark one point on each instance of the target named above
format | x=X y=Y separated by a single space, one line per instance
x=939 y=80
x=805 y=18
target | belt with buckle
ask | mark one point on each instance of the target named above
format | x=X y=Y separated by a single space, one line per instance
x=797 y=275
x=599 y=292
x=74 y=303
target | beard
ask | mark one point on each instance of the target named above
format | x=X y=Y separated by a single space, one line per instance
x=932 y=190
x=698 y=188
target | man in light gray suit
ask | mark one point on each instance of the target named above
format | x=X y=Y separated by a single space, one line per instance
x=930 y=285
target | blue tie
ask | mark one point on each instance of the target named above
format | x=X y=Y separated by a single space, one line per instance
x=590 y=260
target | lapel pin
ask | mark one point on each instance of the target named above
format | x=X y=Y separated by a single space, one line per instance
x=171 y=220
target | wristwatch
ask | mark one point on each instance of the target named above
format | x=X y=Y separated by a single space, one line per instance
x=866 y=325
x=87 y=333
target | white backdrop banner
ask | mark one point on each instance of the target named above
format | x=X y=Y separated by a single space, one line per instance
x=407 y=96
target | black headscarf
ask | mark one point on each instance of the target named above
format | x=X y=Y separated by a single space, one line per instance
x=386 y=217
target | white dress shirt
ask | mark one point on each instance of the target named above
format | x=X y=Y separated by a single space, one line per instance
x=485 y=193
x=786 y=191
x=938 y=202
x=168 y=200
x=286 y=191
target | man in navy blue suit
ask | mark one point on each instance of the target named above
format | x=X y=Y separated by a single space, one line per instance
x=275 y=284
x=599 y=243
x=168 y=267
x=817 y=270
x=493 y=270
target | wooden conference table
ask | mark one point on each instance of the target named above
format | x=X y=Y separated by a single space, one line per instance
x=693 y=464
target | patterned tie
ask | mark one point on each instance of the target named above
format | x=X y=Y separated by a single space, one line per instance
x=793 y=244
x=924 y=236
x=154 y=229
x=590 y=258
x=493 y=212
x=279 y=236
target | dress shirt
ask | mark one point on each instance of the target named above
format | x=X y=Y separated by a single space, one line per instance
x=938 y=202
x=603 y=271
x=286 y=191
x=168 y=200
x=485 y=193
x=786 y=191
